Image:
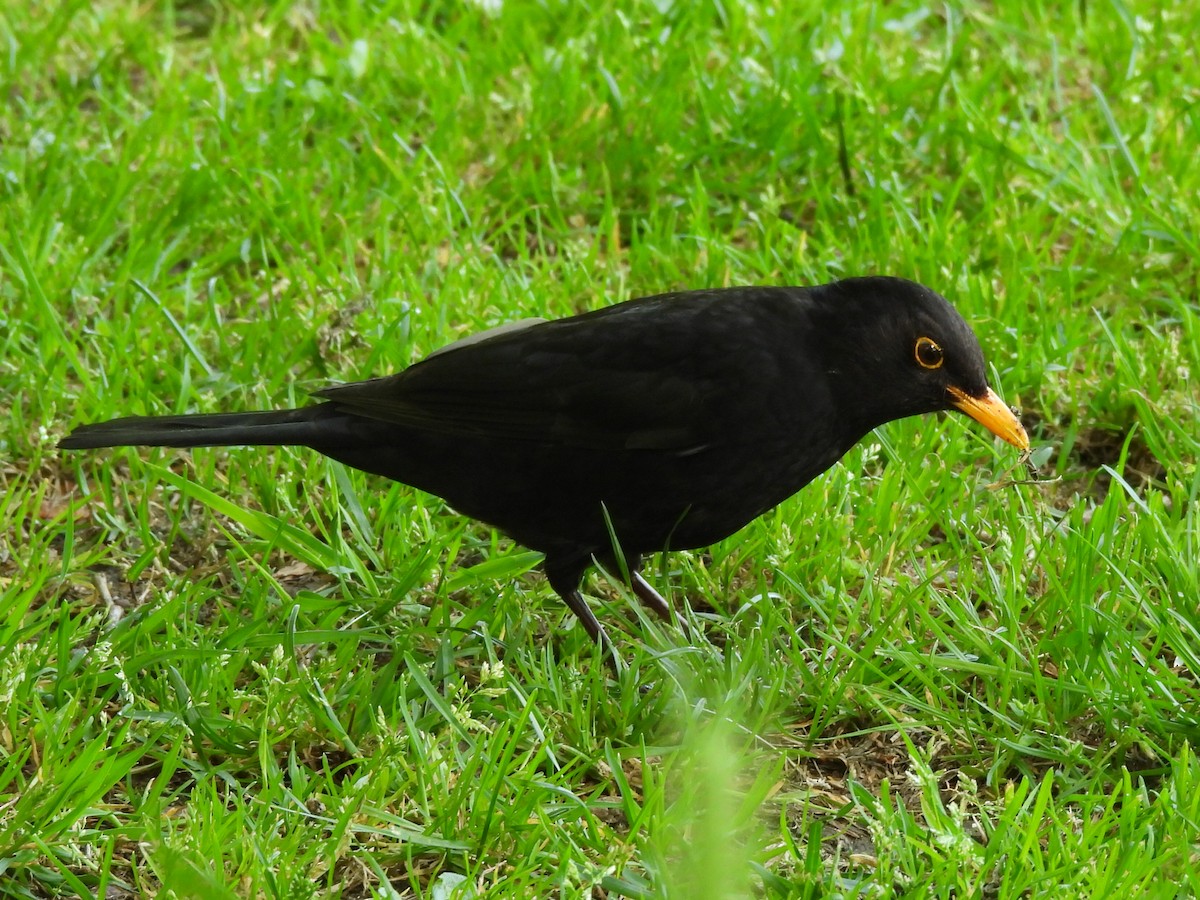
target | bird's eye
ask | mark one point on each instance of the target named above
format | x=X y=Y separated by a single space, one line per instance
x=929 y=354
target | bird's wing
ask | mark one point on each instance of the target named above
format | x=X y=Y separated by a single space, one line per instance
x=600 y=382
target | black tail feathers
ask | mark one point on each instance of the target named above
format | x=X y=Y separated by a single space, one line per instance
x=301 y=427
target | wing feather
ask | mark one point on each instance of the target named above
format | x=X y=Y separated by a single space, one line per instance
x=596 y=381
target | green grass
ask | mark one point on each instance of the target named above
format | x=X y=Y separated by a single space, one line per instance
x=253 y=673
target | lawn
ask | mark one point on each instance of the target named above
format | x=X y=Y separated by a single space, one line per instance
x=935 y=672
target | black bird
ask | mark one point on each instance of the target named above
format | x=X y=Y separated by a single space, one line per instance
x=667 y=422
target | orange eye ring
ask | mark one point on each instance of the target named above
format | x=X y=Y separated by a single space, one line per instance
x=929 y=355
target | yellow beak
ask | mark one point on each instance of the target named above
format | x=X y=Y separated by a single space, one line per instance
x=990 y=412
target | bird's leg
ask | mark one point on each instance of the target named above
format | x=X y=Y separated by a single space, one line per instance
x=644 y=591
x=565 y=580
x=631 y=565
x=574 y=600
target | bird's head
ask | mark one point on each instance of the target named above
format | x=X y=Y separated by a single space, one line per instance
x=902 y=350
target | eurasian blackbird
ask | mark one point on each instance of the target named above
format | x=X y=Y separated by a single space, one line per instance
x=665 y=423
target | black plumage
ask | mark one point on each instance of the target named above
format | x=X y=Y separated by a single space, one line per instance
x=668 y=421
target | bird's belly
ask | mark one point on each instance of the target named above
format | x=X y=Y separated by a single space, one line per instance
x=655 y=501
x=718 y=500
x=551 y=498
